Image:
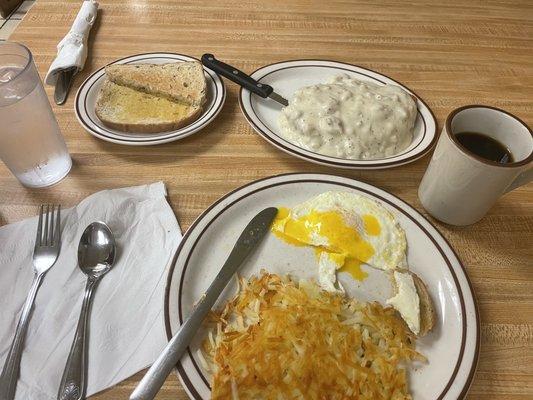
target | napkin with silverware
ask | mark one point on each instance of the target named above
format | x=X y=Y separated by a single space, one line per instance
x=126 y=323
x=72 y=49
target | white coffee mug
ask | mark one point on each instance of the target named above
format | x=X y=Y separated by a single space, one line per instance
x=459 y=187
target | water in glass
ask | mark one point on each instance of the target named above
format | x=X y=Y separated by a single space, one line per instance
x=31 y=144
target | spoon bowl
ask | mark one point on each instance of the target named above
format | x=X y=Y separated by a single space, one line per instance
x=97 y=249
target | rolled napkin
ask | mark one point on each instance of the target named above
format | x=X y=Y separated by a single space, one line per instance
x=126 y=322
x=72 y=50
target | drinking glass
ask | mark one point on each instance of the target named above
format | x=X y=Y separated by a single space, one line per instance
x=31 y=144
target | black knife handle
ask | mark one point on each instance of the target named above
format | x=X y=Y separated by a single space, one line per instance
x=239 y=77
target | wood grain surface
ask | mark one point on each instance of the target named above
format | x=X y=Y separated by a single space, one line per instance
x=451 y=53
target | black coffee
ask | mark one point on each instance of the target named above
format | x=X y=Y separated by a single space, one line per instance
x=485 y=146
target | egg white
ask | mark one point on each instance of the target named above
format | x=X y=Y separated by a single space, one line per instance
x=390 y=245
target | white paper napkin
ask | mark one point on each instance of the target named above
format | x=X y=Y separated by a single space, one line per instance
x=72 y=50
x=126 y=321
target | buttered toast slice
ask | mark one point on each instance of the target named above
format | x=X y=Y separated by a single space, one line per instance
x=179 y=81
x=129 y=110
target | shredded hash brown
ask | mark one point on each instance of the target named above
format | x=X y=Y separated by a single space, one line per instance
x=278 y=339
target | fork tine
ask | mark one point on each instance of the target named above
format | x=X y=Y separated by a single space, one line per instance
x=57 y=231
x=45 y=232
x=51 y=232
x=38 y=239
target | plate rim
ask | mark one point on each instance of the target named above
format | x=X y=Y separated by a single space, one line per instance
x=165 y=135
x=218 y=104
x=316 y=155
x=184 y=378
x=347 y=164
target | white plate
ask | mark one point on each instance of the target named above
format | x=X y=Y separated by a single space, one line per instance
x=88 y=93
x=452 y=347
x=286 y=77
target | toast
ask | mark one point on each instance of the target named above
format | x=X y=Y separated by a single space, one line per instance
x=129 y=110
x=427 y=310
x=179 y=81
x=413 y=302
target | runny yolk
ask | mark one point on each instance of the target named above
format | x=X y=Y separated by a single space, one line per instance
x=278 y=228
x=327 y=231
x=372 y=226
x=352 y=266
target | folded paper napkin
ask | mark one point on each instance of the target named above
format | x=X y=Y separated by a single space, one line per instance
x=126 y=321
x=72 y=50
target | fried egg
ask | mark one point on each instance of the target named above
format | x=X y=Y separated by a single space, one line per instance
x=346 y=230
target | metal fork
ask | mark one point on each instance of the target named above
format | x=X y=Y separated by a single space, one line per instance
x=45 y=252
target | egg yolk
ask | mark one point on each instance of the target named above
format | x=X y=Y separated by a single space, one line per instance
x=372 y=226
x=278 y=229
x=351 y=266
x=327 y=231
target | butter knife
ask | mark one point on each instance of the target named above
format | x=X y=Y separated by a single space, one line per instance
x=63 y=84
x=242 y=79
x=254 y=232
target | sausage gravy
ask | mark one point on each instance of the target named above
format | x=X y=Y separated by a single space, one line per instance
x=351 y=119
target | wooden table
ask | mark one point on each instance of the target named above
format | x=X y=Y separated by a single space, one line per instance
x=450 y=54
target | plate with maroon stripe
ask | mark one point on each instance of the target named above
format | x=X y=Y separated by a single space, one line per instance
x=451 y=348
x=288 y=76
x=87 y=96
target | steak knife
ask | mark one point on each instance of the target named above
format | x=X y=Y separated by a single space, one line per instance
x=242 y=79
x=254 y=232
x=63 y=84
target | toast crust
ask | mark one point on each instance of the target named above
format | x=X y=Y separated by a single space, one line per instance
x=150 y=128
x=427 y=309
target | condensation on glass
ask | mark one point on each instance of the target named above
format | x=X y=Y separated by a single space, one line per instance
x=31 y=144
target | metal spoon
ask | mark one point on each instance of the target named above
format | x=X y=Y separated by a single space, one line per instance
x=96 y=255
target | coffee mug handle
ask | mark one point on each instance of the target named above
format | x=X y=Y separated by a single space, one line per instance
x=524 y=177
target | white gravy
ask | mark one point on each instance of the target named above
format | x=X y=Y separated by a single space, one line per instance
x=349 y=118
